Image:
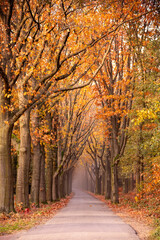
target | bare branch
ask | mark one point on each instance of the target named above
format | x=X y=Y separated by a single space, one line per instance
x=62 y=47
x=32 y=14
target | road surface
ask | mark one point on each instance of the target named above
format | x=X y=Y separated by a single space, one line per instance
x=84 y=218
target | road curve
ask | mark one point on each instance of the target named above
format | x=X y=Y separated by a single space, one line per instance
x=84 y=218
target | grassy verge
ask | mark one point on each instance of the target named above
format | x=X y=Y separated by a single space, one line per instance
x=155 y=235
x=27 y=218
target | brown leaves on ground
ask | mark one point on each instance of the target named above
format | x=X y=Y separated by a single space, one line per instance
x=26 y=218
x=133 y=213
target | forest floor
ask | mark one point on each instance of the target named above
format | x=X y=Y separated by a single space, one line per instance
x=144 y=218
x=24 y=219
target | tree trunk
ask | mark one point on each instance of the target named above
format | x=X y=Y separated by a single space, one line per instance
x=49 y=158
x=36 y=174
x=138 y=174
x=6 y=178
x=86 y=179
x=108 y=179
x=114 y=162
x=131 y=185
x=55 y=188
x=103 y=183
x=97 y=184
x=42 y=194
x=139 y=164
x=36 y=163
x=125 y=185
x=49 y=173
x=61 y=186
x=91 y=188
x=55 y=177
x=70 y=181
x=66 y=183
x=114 y=178
x=22 y=185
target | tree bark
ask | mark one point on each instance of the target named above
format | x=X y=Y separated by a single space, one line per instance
x=36 y=163
x=114 y=161
x=61 y=186
x=49 y=173
x=107 y=179
x=66 y=183
x=6 y=178
x=55 y=188
x=42 y=193
x=131 y=182
x=36 y=174
x=70 y=181
x=102 y=183
x=138 y=174
x=97 y=182
x=55 y=177
x=125 y=185
x=114 y=177
x=22 y=185
x=49 y=160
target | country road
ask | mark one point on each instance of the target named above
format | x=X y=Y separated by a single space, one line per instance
x=84 y=218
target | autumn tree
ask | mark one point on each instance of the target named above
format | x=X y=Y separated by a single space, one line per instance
x=42 y=43
x=29 y=30
x=73 y=133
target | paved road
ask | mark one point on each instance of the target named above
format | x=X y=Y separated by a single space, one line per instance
x=84 y=218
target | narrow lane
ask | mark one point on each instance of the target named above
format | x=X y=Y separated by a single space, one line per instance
x=84 y=218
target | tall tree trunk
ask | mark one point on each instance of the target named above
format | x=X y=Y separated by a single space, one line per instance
x=70 y=174
x=42 y=194
x=65 y=183
x=138 y=174
x=36 y=162
x=114 y=179
x=49 y=173
x=55 y=177
x=103 y=183
x=6 y=178
x=125 y=185
x=131 y=182
x=36 y=173
x=55 y=155
x=68 y=183
x=6 y=181
x=55 y=188
x=22 y=185
x=140 y=159
x=61 y=186
x=97 y=182
x=49 y=160
x=108 y=179
x=114 y=161
x=86 y=179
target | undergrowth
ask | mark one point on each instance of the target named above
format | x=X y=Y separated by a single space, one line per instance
x=24 y=219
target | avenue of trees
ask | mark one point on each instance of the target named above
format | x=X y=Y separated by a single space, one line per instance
x=79 y=82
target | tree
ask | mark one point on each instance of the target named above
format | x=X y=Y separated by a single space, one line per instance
x=73 y=132
x=41 y=44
